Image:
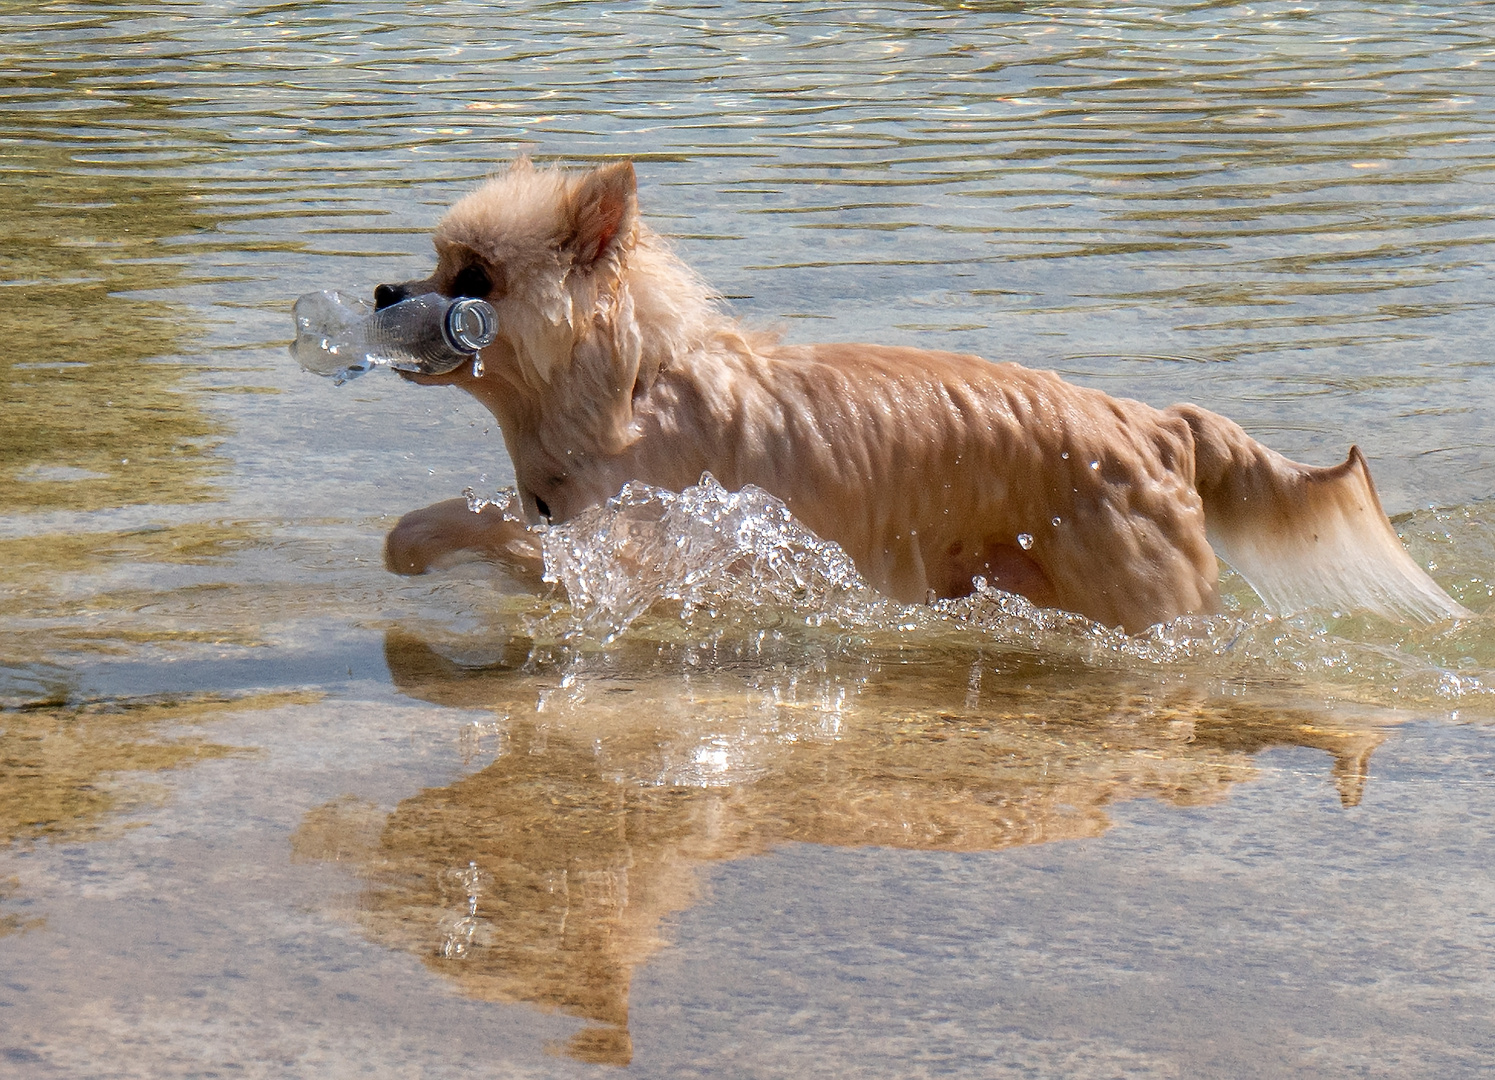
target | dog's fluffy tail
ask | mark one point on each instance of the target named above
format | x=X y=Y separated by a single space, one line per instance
x=1305 y=537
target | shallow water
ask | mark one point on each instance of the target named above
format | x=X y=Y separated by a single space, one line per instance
x=269 y=809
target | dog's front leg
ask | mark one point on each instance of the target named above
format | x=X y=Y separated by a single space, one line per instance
x=450 y=532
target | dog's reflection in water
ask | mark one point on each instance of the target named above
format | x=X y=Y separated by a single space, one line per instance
x=544 y=877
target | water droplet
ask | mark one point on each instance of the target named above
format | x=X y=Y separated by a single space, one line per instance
x=1024 y=540
x=1064 y=455
x=1095 y=464
x=477 y=367
x=1056 y=521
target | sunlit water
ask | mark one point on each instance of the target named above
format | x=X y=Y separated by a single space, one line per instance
x=705 y=804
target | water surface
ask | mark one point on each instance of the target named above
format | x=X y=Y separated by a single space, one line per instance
x=267 y=808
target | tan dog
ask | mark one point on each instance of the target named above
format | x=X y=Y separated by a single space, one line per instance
x=614 y=363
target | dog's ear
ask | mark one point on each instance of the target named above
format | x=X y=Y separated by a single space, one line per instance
x=603 y=208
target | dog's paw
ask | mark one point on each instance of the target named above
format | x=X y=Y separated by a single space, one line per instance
x=450 y=532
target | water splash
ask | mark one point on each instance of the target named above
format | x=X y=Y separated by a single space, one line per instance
x=506 y=502
x=719 y=564
x=458 y=940
x=707 y=549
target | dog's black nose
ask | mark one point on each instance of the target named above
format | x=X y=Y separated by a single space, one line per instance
x=385 y=295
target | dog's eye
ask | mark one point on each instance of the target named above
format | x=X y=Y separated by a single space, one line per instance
x=472 y=281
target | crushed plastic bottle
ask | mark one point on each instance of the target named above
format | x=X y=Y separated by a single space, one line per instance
x=343 y=336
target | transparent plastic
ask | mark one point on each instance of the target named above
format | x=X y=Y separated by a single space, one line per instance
x=343 y=336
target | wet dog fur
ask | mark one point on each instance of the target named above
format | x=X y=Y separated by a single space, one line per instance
x=614 y=362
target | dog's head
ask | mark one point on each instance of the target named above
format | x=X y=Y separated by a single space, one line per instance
x=545 y=248
x=590 y=302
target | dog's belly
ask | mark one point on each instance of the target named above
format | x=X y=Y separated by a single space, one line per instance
x=1121 y=570
x=1003 y=565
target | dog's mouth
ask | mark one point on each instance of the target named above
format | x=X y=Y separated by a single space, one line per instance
x=389 y=295
x=425 y=331
x=469 y=283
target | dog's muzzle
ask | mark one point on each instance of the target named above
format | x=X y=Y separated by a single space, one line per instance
x=389 y=295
